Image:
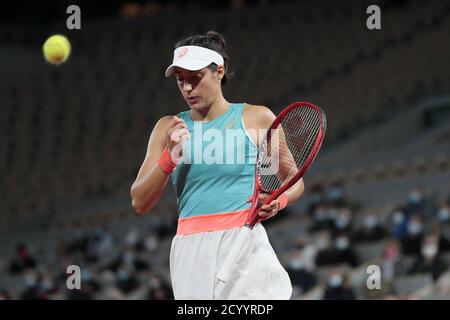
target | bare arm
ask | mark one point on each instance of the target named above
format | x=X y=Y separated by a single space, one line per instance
x=151 y=179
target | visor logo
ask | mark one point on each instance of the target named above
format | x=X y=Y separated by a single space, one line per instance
x=183 y=52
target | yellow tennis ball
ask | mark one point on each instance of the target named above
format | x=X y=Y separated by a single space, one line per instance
x=56 y=49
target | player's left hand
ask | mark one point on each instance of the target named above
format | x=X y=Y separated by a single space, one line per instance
x=267 y=210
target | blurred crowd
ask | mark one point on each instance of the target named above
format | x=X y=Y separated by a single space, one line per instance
x=412 y=229
x=112 y=267
x=126 y=267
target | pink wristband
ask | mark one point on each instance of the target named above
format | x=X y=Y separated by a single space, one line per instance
x=165 y=162
x=283 y=198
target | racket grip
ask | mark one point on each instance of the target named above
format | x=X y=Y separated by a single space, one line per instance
x=254 y=218
x=252 y=222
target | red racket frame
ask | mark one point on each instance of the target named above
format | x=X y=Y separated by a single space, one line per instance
x=254 y=209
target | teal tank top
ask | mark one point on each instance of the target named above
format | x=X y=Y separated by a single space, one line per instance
x=216 y=174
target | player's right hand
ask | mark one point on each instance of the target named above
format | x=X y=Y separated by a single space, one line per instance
x=176 y=133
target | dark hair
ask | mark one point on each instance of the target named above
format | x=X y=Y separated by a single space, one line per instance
x=211 y=40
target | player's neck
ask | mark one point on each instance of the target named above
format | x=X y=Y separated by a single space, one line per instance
x=216 y=109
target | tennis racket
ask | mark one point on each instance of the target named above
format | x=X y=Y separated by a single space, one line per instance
x=286 y=153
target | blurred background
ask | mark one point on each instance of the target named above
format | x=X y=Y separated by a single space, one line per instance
x=74 y=136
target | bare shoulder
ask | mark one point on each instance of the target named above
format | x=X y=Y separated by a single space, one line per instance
x=253 y=109
x=164 y=121
x=257 y=116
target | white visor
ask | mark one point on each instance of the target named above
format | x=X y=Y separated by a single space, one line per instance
x=193 y=58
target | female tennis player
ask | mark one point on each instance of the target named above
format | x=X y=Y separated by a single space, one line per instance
x=213 y=178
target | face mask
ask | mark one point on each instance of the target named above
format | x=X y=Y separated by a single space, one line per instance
x=132 y=237
x=429 y=251
x=444 y=214
x=415 y=197
x=370 y=222
x=335 y=193
x=414 y=228
x=398 y=217
x=30 y=280
x=319 y=214
x=342 y=243
x=297 y=263
x=151 y=244
x=335 y=281
x=122 y=275
x=47 y=285
x=342 y=222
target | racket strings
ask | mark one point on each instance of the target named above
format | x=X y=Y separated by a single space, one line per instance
x=308 y=132
x=289 y=147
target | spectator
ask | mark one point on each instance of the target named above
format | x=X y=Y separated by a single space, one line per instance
x=308 y=251
x=341 y=252
x=23 y=260
x=158 y=289
x=335 y=193
x=443 y=213
x=371 y=229
x=316 y=198
x=298 y=273
x=399 y=222
x=337 y=289
x=126 y=281
x=412 y=242
x=132 y=261
x=343 y=221
x=78 y=243
x=151 y=242
x=443 y=241
x=392 y=263
x=163 y=223
x=100 y=243
x=323 y=218
x=324 y=250
x=418 y=203
x=31 y=292
x=132 y=237
x=429 y=260
x=47 y=286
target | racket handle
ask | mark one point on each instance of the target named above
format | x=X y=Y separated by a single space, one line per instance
x=252 y=223
x=254 y=218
